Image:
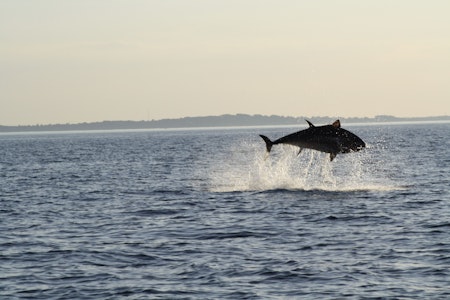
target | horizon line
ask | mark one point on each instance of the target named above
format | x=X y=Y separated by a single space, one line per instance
x=374 y=118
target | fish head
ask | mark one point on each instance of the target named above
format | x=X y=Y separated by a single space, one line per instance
x=358 y=144
x=349 y=142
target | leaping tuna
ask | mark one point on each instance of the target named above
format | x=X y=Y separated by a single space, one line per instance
x=328 y=138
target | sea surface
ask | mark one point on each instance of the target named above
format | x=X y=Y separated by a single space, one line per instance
x=206 y=214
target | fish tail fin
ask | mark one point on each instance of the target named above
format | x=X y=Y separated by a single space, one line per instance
x=269 y=143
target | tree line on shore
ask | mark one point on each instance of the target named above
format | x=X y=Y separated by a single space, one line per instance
x=227 y=120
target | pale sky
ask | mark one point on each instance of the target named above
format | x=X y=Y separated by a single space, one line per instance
x=73 y=61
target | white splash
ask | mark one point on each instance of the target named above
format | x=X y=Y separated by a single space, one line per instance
x=249 y=168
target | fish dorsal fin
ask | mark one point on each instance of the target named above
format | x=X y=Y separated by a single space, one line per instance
x=336 y=124
x=310 y=124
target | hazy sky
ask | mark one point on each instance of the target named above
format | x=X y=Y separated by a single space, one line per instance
x=93 y=60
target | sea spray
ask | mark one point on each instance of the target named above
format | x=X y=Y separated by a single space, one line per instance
x=247 y=167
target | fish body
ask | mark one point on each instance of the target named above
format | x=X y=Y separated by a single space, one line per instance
x=327 y=138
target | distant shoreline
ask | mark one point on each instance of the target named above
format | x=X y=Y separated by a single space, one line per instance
x=212 y=121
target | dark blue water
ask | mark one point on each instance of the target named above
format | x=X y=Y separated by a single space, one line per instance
x=203 y=214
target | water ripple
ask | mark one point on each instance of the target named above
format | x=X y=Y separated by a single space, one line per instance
x=137 y=216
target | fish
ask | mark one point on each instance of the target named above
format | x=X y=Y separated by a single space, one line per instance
x=330 y=139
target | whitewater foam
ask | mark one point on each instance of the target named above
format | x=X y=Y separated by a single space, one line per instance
x=248 y=168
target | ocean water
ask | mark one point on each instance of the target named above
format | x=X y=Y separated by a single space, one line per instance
x=206 y=214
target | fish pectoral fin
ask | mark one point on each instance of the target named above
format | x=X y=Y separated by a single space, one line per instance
x=299 y=151
x=332 y=156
